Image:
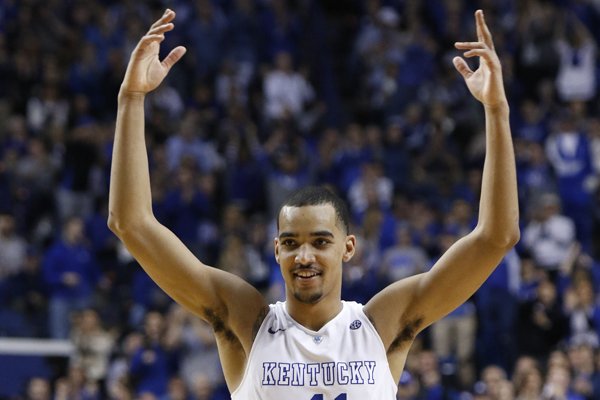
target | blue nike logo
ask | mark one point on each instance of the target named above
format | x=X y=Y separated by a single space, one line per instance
x=273 y=331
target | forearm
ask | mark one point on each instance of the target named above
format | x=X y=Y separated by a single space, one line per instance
x=498 y=207
x=130 y=198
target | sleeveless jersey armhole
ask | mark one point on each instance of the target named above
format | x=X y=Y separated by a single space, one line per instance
x=252 y=351
x=379 y=340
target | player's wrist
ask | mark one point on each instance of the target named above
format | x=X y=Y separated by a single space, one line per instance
x=126 y=94
x=499 y=108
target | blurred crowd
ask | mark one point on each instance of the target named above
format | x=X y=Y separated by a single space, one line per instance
x=273 y=95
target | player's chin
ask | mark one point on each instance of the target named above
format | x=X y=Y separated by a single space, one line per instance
x=308 y=296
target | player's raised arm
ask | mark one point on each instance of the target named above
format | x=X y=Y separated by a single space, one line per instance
x=410 y=305
x=227 y=302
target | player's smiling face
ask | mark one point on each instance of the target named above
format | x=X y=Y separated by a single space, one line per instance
x=310 y=249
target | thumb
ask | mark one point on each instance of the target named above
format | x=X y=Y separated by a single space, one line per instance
x=462 y=67
x=174 y=56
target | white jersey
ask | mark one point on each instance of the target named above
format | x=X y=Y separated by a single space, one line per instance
x=344 y=360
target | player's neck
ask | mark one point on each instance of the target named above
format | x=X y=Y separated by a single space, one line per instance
x=314 y=316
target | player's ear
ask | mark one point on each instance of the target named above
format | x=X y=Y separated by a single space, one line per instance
x=276 y=249
x=350 y=248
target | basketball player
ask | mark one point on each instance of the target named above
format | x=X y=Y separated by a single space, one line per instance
x=313 y=346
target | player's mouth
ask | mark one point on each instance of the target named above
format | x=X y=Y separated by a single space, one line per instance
x=306 y=275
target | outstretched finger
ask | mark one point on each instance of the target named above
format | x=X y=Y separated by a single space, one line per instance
x=469 y=45
x=462 y=67
x=483 y=53
x=167 y=16
x=483 y=33
x=161 y=29
x=174 y=56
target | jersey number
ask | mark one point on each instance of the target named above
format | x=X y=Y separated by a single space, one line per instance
x=320 y=397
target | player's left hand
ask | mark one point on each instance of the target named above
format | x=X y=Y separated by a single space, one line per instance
x=145 y=70
x=485 y=83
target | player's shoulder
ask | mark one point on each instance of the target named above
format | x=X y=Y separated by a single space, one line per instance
x=352 y=308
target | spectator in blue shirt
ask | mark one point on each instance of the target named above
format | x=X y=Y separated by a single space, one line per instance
x=149 y=365
x=71 y=274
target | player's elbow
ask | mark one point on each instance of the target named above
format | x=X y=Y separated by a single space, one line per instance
x=512 y=237
x=114 y=225
x=505 y=238
x=123 y=226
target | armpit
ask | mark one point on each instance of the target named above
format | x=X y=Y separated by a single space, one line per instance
x=406 y=335
x=219 y=326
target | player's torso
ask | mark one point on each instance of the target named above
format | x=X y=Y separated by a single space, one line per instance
x=344 y=360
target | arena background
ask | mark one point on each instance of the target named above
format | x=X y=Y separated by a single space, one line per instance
x=271 y=96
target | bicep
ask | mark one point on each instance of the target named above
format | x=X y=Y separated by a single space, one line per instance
x=410 y=305
x=205 y=291
x=455 y=277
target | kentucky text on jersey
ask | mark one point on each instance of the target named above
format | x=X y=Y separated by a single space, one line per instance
x=316 y=374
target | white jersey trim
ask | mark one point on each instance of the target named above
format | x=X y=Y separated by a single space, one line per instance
x=262 y=327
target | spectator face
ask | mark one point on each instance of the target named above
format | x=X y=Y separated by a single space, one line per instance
x=530 y=111
x=585 y=292
x=132 y=343
x=403 y=236
x=354 y=136
x=185 y=177
x=36 y=148
x=207 y=184
x=233 y=219
x=546 y=292
x=559 y=380
x=77 y=376
x=147 y=396
x=525 y=364
x=558 y=359
x=582 y=358
x=428 y=362
x=74 y=231
x=548 y=206
x=189 y=126
x=31 y=265
x=7 y=225
x=462 y=211
x=493 y=377
x=202 y=387
x=394 y=134
x=177 y=390
x=529 y=271
x=288 y=162
x=89 y=321
x=531 y=384
x=119 y=391
x=283 y=62
x=506 y=390
x=153 y=325
x=38 y=389
x=371 y=172
x=536 y=154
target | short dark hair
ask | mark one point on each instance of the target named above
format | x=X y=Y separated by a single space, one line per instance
x=317 y=195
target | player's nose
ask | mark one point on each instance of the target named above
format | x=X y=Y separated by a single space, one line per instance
x=305 y=255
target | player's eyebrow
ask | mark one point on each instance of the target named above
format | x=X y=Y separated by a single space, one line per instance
x=284 y=235
x=322 y=233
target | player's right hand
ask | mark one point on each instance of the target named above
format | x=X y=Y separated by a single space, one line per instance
x=145 y=71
